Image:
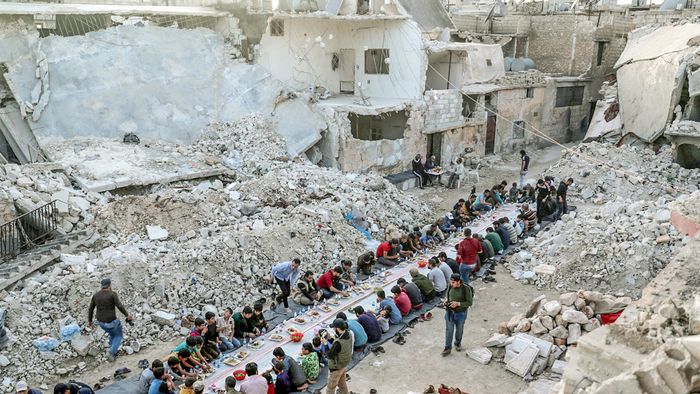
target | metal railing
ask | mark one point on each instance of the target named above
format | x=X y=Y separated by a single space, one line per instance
x=27 y=230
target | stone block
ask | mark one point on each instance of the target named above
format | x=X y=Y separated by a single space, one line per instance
x=559 y=332
x=544 y=346
x=498 y=340
x=534 y=305
x=695 y=316
x=559 y=366
x=156 y=233
x=480 y=354
x=574 y=333
x=81 y=344
x=537 y=327
x=545 y=269
x=163 y=318
x=547 y=322
x=573 y=316
x=521 y=364
x=552 y=308
x=61 y=200
x=80 y=203
x=73 y=259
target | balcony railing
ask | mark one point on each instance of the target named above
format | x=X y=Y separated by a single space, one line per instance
x=27 y=230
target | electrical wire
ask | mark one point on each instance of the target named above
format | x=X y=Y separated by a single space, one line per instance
x=538 y=133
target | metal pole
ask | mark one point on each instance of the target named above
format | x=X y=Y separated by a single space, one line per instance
x=449 y=70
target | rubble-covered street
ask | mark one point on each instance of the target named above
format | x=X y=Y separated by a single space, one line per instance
x=163 y=165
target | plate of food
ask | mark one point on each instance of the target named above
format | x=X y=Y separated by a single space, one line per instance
x=257 y=344
x=276 y=338
x=242 y=354
x=292 y=329
x=299 y=320
x=333 y=301
x=366 y=286
x=346 y=295
x=313 y=313
x=231 y=361
x=326 y=308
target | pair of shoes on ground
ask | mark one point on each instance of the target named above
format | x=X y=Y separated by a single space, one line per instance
x=399 y=339
x=447 y=351
x=378 y=350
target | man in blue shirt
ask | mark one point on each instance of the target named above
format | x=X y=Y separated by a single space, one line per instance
x=286 y=275
x=395 y=316
x=159 y=376
x=358 y=333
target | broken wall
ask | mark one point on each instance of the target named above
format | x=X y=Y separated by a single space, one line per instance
x=160 y=83
x=514 y=105
x=311 y=53
x=444 y=110
x=650 y=75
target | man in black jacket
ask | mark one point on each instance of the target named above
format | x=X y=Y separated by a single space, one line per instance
x=561 y=196
x=419 y=171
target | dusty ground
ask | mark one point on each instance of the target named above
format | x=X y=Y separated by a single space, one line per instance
x=412 y=367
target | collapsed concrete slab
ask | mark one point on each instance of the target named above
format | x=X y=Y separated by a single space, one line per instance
x=162 y=84
x=650 y=74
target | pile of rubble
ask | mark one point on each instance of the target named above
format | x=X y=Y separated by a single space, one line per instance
x=193 y=246
x=626 y=243
x=639 y=173
x=25 y=188
x=535 y=342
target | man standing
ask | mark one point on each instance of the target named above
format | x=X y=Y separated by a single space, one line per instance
x=561 y=196
x=339 y=357
x=467 y=254
x=459 y=299
x=286 y=275
x=106 y=301
x=419 y=171
x=524 y=164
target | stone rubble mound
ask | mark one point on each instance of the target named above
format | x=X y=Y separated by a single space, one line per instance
x=535 y=342
x=625 y=243
x=648 y=175
x=25 y=188
x=212 y=244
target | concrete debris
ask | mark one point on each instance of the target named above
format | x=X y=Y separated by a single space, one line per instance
x=628 y=237
x=480 y=354
x=156 y=233
x=294 y=199
x=550 y=328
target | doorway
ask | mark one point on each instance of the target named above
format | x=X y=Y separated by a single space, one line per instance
x=347 y=71
x=490 y=134
x=435 y=145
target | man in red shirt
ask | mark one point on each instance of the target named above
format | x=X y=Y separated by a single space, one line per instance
x=325 y=283
x=401 y=300
x=388 y=253
x=467 y=255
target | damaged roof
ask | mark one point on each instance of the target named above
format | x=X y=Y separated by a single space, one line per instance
x=429 y=14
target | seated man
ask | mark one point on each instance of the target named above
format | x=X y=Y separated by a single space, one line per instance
x=427 y=241
x=424 y=285
x=450 y=262
x=457 y=170
x=243 y=327
x=406 y=244
x=419 y=171
x=434 y=231
x=512 y=232
x=513 y=193
x=347 y=278
x=365 y=263
x=413 y=292
x=369 y=322
x=326 y=283
x=225 y=326
x=503 y=233
x=258 y=319
x=437 y=277
x=487 y=251
x=358 y=334
x=292 y=367
x=495 y=240
x=395 y=315
x=550 y=210
x=445 y=225
x=307 y=291
x=432 y=163
x=211 y=335
x=388 y=253
x=530 y=218
x=484 y=202
x=403 y=303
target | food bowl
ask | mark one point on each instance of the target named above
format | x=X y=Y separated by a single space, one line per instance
x=422 y=264
x=239 y=374
x=296 y=336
